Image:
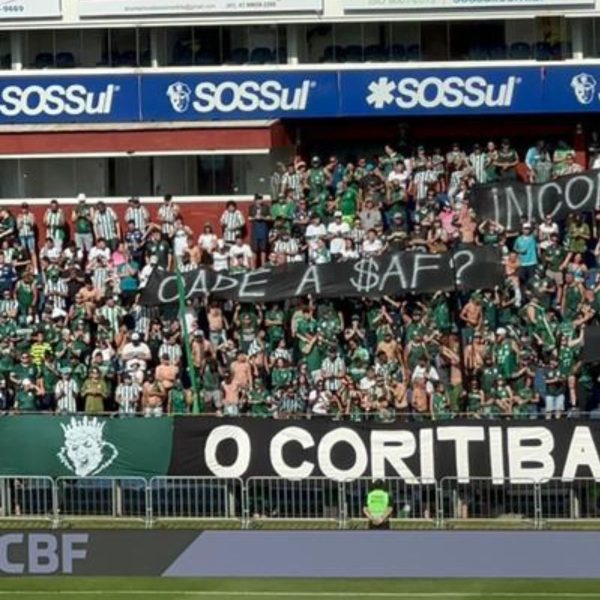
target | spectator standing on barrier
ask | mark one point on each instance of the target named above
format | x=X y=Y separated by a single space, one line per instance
x=378 y=508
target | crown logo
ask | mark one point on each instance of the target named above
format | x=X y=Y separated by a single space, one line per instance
x=85 y=451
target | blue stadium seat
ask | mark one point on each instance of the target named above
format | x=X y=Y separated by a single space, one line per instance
x=354 y=53
x=478 y=52
x=333 y=54
x=44 y=60
x=498 y=52
x=543 y=51
x=413 y=52
x=397 y=52
x=182 y=55
x=375 y=53
x=520 y=50
x=281 y=55
x=126 y=59
x=261 y=56
x=205 y=57
x=240 y=56
x=65 y=60
x=561 y=50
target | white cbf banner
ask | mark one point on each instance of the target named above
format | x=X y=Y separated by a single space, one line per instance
x=103 y=8
x=442 y=4
x=29 y=9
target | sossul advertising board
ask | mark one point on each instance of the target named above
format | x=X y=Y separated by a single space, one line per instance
x=276 y=94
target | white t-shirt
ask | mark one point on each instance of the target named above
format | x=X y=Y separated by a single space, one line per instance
x=314 y=232
x=337 y=231
x=220 y=260
x=371 y=248
x=207 y=241
x=96 y=253
x=241 y=255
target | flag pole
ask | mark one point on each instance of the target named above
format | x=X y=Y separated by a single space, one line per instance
x=198 y=404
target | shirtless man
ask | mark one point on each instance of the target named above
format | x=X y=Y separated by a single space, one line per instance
x=231 y=397
x=166 y=373
x=241 y=372
x=217 y=324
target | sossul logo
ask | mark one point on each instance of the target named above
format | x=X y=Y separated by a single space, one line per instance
x=449 y=92
x=56 y=99
x=245 y=96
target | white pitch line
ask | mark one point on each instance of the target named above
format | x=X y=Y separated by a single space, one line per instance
x=302 y=594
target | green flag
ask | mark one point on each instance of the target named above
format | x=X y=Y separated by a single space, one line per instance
x=82 y=446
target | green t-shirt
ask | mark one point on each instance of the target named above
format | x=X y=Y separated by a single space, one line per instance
x=83 y=223
x=378 y=502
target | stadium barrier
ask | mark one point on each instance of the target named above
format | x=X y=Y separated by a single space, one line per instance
x=233 y=502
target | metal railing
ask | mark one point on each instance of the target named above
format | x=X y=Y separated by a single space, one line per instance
x=27 y=497
x=101 y=497
x=449 y=502
x=311 y=499
x=195 y=498
x=488 y=499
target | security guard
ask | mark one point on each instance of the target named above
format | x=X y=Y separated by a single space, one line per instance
x=378 y=508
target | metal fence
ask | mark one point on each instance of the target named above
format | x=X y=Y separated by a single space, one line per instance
x=195 y=498
x=270 y=500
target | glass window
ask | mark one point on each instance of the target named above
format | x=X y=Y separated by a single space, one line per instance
x=434 y=41
x=67 y=45
x=176 y=46
x=207 y=47
x=318 y=45
x=144 y=54
x=39 y=49
x=133 y=176
x=90 y=176
x=477 y=40
x=5 y=53
x=11 y=183
x=123 y=47
x=404 y=41
x=94 y=48
x=48 y=177
x=551 y=41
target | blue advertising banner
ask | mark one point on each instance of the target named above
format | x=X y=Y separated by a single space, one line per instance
x=280 y=93
x=69 y=99
x=264 y=95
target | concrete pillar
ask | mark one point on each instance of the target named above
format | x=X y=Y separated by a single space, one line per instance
x=16 y=50
x=154 y=50
x=577 y=38
x=293 y=44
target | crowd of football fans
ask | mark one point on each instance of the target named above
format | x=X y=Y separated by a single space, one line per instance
x=74 y=337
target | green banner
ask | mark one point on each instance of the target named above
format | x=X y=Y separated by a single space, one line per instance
x=85 y=446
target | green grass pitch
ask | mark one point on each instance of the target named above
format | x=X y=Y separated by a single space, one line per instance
x=285 y=589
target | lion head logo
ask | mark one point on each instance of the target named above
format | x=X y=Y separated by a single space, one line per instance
x=584 y=87
x=85 y=451
x=179 y=94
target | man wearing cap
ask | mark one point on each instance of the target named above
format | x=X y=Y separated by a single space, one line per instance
x=526 y=246
x=137 y=213
x=135 y=351
x=106 y=225
x=26 y=396
x=82 y=220
x=336 y=232
x=506 y=356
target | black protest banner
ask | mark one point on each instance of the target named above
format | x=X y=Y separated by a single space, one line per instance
x=510 y=203
x=297 y=449
x=391 y=274
x=591 y=344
